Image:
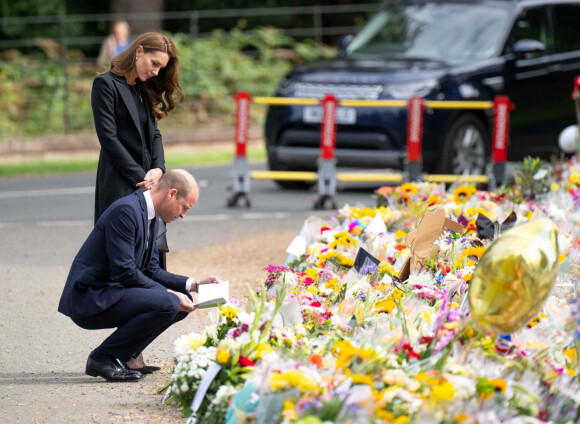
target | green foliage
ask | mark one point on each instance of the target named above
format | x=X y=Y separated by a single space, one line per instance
x=533 y=177
x=39 y=98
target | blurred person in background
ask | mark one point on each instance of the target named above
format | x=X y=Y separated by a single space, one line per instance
x=117 y=41
x=140 y=88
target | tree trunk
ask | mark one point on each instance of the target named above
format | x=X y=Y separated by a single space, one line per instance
x=139 y=26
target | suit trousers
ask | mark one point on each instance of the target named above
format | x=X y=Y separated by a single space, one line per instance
x=140 y=317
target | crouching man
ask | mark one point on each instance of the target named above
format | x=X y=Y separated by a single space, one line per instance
x=115 y=280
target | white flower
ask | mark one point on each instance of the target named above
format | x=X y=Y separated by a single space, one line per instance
x=184 y=387
x=211 y=332
x=244 y=338
x=189 y=342
x=224 y=391
x=246 y=318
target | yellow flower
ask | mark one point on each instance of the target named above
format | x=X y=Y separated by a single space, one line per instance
x=499 y=384
x=387 y=268
x=347 y=262
x=289 y=413
x=400 y=234
x=451 y=325
x=398 y=294
x=570 y=353
x=470 y=253
x=574 y=177
x=554 y=187
x=443 y=391
x=389 y=417
x=222 y=355
x=433 y=200
x=335 y=256
x=361 y=379
x=332 y=283
x=366 y=353
x=290 y=379
x=463 y=193
x=312 y=273
x=261 y=349
x=229 y=311
x=385 y=306
x=408 y=189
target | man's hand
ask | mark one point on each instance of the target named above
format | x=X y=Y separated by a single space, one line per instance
x=207 y=280
x=210 y=280
x=185 y=304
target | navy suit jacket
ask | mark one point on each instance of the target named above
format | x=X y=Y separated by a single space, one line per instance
x=113 y=258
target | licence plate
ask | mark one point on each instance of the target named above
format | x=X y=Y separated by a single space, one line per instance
x=344 y=115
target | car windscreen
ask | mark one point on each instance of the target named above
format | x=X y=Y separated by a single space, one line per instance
x=436 y=31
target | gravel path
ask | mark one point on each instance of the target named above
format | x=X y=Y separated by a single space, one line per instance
x=42 y=353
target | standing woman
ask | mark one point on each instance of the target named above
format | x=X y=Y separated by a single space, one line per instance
x=140 y=88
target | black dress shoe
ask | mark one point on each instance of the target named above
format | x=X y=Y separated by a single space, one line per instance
x=113 y=370
x=147 y=369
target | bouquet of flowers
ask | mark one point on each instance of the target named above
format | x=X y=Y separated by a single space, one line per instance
x=326 y=340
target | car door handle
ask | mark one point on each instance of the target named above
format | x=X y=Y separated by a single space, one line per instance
x=555 y=68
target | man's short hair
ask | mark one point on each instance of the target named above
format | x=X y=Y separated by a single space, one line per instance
x=180 y=180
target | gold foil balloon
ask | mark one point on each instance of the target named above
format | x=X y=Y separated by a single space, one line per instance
x=514 y=277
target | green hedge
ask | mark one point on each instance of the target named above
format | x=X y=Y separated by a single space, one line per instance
x=35 y=102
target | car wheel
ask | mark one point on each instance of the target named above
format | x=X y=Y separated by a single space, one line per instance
x=274 y=165
x=465 y=147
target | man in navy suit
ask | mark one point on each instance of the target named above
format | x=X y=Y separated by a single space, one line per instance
x=115 y=279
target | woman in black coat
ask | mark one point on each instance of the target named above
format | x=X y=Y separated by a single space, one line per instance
x=141 y=87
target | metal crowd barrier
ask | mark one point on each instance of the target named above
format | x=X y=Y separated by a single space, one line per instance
x=327 y=175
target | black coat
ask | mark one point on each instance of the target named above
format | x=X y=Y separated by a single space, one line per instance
x=126 y=153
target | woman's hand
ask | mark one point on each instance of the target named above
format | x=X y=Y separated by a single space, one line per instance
x=151 y=179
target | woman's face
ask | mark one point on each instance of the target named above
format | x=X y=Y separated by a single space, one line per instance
x=149 y=64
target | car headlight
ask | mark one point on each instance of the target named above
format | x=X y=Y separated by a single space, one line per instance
x=408 y=89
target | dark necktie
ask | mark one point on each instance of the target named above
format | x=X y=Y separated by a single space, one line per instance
x=150 y=238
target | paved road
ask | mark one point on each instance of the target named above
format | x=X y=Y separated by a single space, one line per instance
x=43 y=222
x=69 y=198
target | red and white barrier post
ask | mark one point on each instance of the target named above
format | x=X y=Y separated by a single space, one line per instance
x=501 y=122
x=241 y=172
x=327 y=161
x=414 y=165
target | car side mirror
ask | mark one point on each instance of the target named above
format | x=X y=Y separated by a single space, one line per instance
x=344 y=42
x=525 y=49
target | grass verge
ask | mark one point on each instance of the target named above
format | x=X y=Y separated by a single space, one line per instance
x=172 y=160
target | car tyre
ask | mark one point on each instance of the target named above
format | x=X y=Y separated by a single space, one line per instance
x=465 y=147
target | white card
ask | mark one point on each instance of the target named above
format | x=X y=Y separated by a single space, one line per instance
x=297 y=247
x=376 y=226
x=213 y=295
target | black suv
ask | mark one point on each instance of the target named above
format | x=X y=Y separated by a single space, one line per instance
x=528 y=50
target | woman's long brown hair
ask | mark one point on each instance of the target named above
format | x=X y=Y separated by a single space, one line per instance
x=162 y=90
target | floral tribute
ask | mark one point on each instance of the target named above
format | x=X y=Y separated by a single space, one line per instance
x=322 y=341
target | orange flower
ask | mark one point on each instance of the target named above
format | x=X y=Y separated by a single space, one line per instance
x=385 y=190
x=316 y=359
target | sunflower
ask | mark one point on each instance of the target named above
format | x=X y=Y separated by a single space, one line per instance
x=343 y=239
x=471 y=253
x=408 y=189
x=463 y=193
x=336 y=258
